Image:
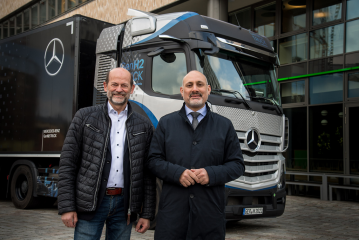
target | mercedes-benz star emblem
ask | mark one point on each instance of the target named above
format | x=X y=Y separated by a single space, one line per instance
x=253 y=139
x=54 y=63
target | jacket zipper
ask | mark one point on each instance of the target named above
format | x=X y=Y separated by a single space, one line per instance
x=102 y=163
x=92 y=127
x=135 y=134
x=129 y=154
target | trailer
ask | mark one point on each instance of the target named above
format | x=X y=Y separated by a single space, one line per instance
x=47 y=74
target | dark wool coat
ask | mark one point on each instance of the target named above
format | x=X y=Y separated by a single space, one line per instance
x=83 y=161
x=196 y=212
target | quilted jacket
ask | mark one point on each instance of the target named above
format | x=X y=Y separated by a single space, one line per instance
x=83 y=156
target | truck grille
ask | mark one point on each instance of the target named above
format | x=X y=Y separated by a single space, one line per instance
x=264 y=164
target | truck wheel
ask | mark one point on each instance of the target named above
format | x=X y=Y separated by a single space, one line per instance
x=158 y=194
x=22 y=187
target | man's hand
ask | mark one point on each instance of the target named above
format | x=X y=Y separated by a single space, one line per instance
x=143 y=225
x=188 y=178
x=202 y=176
x=69 y=219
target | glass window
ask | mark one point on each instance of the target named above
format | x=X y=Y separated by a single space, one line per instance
x=326 y=42
x=12 y=26
x=61 y=6
x=5 y=29
x=34 y=16
x=353 y=85
x=293 y=92
x=163 y=79
x=242 y=17
x=264 y=20
x=51 y=8
x=293 y=49
x=42 y=12
x=71 y=4
x=326 y=138
x=326 y=64
x=352 y=31
x=18 y=23
x=26 y=19
x=326 y=11
x=292 y=70
x=293 y=15
x=296 y=154
x=353 y=140
x=352 y=60
x=326 y=88
x=253 y=78
x=352 y=9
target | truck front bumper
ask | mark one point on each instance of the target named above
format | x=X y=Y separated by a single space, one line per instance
x=271 y=200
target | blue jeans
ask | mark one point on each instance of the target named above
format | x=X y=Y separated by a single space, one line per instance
x=111 y=211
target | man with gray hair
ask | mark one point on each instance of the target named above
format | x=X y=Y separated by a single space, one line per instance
x=101 y=176
x=195 y=152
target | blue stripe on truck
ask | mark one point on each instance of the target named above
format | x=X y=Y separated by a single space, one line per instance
x=150 y=115
x=168 y=26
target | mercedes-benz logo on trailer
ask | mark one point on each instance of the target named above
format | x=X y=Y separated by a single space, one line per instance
x=54 y=64
x=253 y=139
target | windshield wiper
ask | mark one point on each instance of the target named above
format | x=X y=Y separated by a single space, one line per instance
x=233 y=93
x=272 y=101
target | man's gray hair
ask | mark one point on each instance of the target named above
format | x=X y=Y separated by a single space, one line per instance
x=194 y=71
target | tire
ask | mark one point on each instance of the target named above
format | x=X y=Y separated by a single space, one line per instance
x=22 y=188
x=158 y=194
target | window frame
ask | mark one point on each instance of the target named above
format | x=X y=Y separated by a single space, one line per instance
x=306 y=91
x=171 y=46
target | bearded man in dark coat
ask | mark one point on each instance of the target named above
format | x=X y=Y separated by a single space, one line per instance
x=195 y=152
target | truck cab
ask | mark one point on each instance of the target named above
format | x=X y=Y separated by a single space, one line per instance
x=159 y=50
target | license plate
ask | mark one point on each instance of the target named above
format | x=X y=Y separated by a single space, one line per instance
x=252 y=211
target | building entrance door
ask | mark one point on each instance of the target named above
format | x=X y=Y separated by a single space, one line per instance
x=352 y=138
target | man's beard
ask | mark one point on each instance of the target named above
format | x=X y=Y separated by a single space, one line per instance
x=195 y=103
x=121 y=102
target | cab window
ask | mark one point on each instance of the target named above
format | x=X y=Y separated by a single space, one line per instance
x=168 y=71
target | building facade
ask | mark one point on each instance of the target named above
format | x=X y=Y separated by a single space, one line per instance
x=316 y=41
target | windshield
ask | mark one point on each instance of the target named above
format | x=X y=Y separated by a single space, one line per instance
x=254 y=79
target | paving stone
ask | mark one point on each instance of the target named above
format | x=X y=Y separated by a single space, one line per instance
x=304 y=218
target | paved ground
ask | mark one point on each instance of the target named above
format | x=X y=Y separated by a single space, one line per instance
x=304 y=218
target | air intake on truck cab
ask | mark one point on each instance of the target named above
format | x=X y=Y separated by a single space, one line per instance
x=104 y=63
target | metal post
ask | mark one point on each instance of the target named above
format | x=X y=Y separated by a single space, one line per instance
x=218 y=9
x=325 y=187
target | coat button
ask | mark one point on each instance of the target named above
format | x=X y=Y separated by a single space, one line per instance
x=191 y=196
x=108 y=162
x=194 y=143
x=105 y=180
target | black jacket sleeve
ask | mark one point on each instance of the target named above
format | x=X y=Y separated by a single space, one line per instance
x=157 y=163
x=149 y=204
x=233 y=164
x=69 y=158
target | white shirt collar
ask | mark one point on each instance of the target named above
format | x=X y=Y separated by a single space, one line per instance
x=111 y=110
x=202 y=111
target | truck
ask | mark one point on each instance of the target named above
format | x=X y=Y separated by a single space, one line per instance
x=49 y=73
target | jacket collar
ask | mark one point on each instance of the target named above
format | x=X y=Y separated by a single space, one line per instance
x=183 y=114
x=105 y=108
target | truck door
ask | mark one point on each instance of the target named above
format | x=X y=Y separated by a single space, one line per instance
x=164 y=75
